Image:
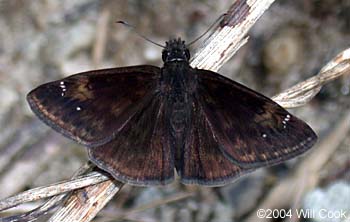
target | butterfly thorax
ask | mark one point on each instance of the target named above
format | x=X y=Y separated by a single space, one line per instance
x=177 y=89
x=178 y=84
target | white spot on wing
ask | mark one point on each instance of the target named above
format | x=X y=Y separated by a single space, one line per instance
x=286 y=119
x=63 y=88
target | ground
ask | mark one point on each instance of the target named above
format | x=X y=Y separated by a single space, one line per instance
x=43 y=41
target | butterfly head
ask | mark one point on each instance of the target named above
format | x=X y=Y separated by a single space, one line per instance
x=175 y=50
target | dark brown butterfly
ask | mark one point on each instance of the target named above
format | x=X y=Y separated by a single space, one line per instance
x=141 y=122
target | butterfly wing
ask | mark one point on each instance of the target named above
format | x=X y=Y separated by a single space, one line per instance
x=252 y=130
x=203 y=162
x=141 y=153
x=91 y=107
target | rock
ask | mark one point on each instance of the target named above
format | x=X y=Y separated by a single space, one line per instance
x=331 y=204
x=283 y=51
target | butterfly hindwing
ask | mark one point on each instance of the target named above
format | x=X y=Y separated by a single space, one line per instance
x=141 y=154
x=252 y=130
x=203 y=162
x=91 y=107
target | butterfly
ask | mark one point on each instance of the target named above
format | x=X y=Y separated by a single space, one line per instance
x=143 y=123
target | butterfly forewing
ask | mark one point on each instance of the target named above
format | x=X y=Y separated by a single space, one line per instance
x=141 y=153
x=91 y=107
x=252 y=130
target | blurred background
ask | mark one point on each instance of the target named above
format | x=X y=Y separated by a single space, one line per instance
x=46 y=40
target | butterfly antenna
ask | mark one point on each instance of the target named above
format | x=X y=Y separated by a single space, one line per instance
x=211 y=26
x=141 y=35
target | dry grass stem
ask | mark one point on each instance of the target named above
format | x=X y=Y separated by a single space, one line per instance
x=101 y=37
x=48 y=205
x=52 y=190
x=225 y=41
x=84 y=204
x=303 y=92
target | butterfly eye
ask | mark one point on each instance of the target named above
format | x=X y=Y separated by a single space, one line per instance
x=165 y=55
x=187 y=54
